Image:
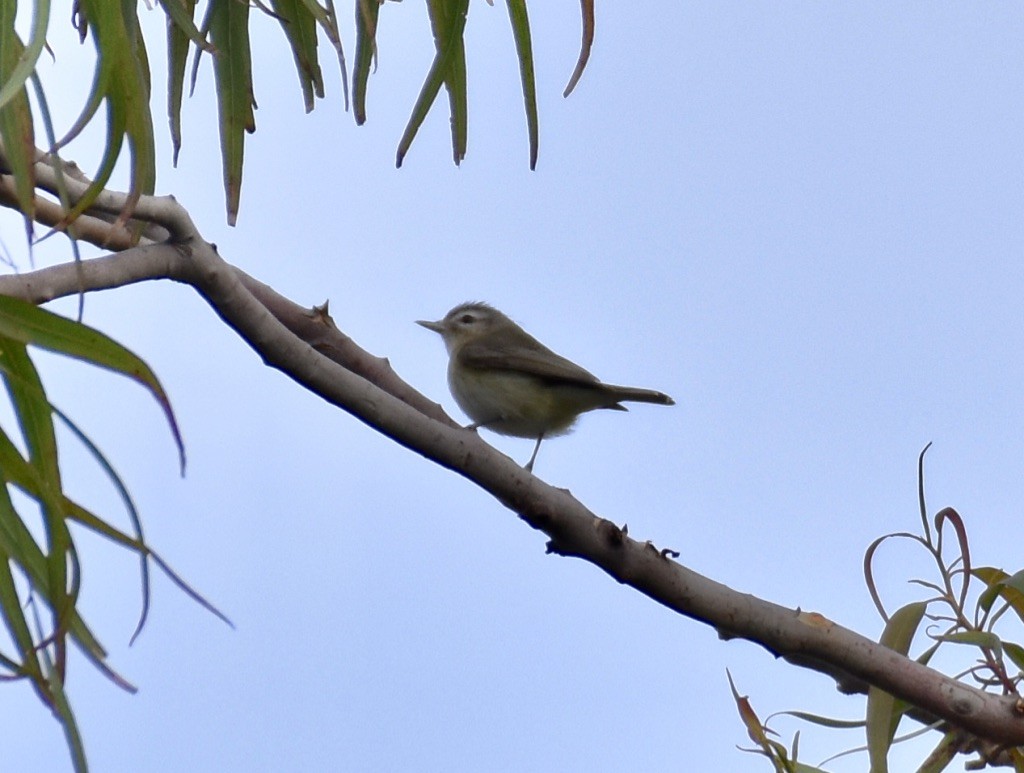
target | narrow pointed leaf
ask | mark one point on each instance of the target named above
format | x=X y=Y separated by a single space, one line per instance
x=122 y=81
x=330 y=28
x=182 y=16
x=180 y=30
x=10 y=603
x=587 y=9
x=984 y=639
x=17 y=135
x=67 y=720
x=229 y=31
x=883 y=710
x=367 y=14
x=455 y=18
x=1001 y=585
x=29 y=324
x=13 y=82
x=524 y=50
x=1015 y=652
x=442 y=12
x=35 y=420
x=299 y=27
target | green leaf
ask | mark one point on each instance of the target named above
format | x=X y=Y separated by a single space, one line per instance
x=13 y=82
x=300 y=28
x=1015 y=652
x=448 y=19
x=229 y=30
x=1001 y=585
x=122 y=81
x=367 y=13
x=984 y=639
x=455 y=80
x=28 y=324
x=17 y=542
x=328 y=21
x=816 y=719
x=10 y=604
x=17 y=135
x=180 y=31
x=68 y=724
x=32 y=410
x=524 y=50
x=943 y=754
x=46 y=572
x=883 y=710
x=182 y=13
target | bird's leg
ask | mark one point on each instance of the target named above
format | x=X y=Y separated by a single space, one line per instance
x=536 y=448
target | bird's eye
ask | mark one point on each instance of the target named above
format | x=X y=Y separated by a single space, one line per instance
x=465 y=319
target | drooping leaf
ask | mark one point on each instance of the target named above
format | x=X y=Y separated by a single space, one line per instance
x=448 y=19
x=524 y=50
x=329 y=24
x=122 y=81
x=28 y=324
x=13 y=82
x=181 y=29
x=300 y=28
x=367 y=14
x=182 y=16
x=229 y=31
x=17 y=135
x=11 y=607
x=35 y=420
x=441 y=13
x=587 y=9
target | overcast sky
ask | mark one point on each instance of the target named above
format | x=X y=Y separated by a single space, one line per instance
x=802 y=220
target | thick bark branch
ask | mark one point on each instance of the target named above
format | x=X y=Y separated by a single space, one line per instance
x=305 y=345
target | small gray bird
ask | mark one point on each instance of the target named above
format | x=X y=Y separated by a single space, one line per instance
x=509 y=382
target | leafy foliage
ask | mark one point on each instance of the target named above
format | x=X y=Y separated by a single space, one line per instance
x=956 y=617
x=121 y=80
x=49 y=566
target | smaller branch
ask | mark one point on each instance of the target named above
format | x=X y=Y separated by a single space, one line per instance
x=316 y=327
x=137 y=264
x=98 y=229
x=51 y=172
x=174 y=262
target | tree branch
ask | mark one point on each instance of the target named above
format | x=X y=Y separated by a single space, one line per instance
x=305 y=345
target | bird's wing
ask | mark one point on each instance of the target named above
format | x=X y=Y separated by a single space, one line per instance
x=527 y=355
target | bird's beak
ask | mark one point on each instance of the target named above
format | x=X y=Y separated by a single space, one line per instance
x=437 y=327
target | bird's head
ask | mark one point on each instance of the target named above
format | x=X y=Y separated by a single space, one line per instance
x=466 y=322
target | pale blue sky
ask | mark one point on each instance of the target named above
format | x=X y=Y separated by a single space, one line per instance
x=802 y=220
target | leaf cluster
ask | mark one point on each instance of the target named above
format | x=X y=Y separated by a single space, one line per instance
x=955 y=612
x=45 y=571
x=121 y=82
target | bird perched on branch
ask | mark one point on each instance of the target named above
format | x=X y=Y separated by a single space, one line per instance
x=509 y=382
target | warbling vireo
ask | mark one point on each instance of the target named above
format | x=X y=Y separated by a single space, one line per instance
x=509 y=382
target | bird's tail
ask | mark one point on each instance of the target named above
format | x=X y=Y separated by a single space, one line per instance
x=637 y=395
